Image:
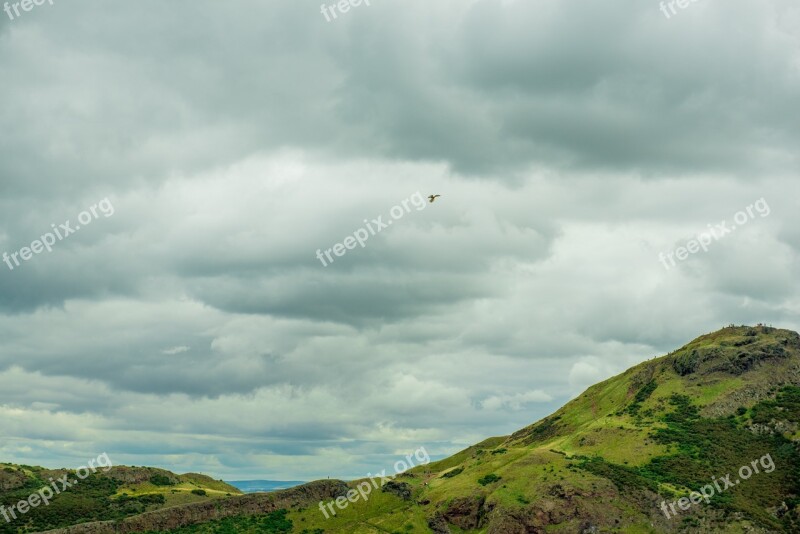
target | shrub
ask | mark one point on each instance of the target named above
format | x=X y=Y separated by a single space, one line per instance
x=199 y=492
x=686 y=363
x=161 y=480
x=642 y=395
x=488 y=479
x=454 y=472
x=151 y=498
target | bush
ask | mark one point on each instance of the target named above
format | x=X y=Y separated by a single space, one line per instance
x=151 y=498
x=454 y=472
x=686 y=364
x=488 y=479
x=199 y=492
x=272 y=523
x=642 y=395
x=161 y=480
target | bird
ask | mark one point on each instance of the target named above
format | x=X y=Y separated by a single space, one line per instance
x=431 y=198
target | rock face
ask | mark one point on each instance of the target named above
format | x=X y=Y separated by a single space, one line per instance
x=192 y=514
x=438 y=524
x=138 y=475
x=14 y=477
x=561 y=505
x=466 y=513
x=11 y=479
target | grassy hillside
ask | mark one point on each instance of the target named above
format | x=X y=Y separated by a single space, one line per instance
x=611 y=460
x=119 y=492
x=607 y=459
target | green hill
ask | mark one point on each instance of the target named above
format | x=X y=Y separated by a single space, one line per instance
x=104 y=495
x=608 y=459
x=631 y=454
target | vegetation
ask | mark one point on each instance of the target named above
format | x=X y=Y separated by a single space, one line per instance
x=488 y=479
x=686 y=363
x=453 y=472
x=161 y=480
x=642 y=395
x=89 y=500
x=274 y=523
x=99 y=497
x=785 y=407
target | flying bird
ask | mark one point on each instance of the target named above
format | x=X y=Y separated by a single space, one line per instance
x=431 y=198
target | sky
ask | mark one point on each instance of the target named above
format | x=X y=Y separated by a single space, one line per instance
x=172 y=175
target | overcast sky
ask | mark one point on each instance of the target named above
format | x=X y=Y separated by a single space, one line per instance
x=190 y=324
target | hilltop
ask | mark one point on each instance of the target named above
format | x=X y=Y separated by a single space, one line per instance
x=107 y=494
x=607 y=460
x=610 y=460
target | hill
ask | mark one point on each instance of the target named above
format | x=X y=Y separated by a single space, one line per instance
x=614 y=458
x=107 y=494
x=704 y=439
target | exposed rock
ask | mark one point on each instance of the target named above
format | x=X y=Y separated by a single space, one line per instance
x=11 y=479
x=563 y=505
x=139 y=475
x=467 y=513
x=774 y=427
x=438 y=524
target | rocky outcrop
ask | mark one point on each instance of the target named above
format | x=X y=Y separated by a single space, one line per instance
x=563 y=504
x=192 y=514
x=466 y=513
x=139 y=475
x=438 y=524
x=12 y=478
x=773 y=427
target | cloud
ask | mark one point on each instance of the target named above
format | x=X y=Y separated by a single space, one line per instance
x=515 y=402
x=175 y=350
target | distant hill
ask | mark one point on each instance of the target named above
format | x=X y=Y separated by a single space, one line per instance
x=625 y=456
x=121 y=492
x=255 y=486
